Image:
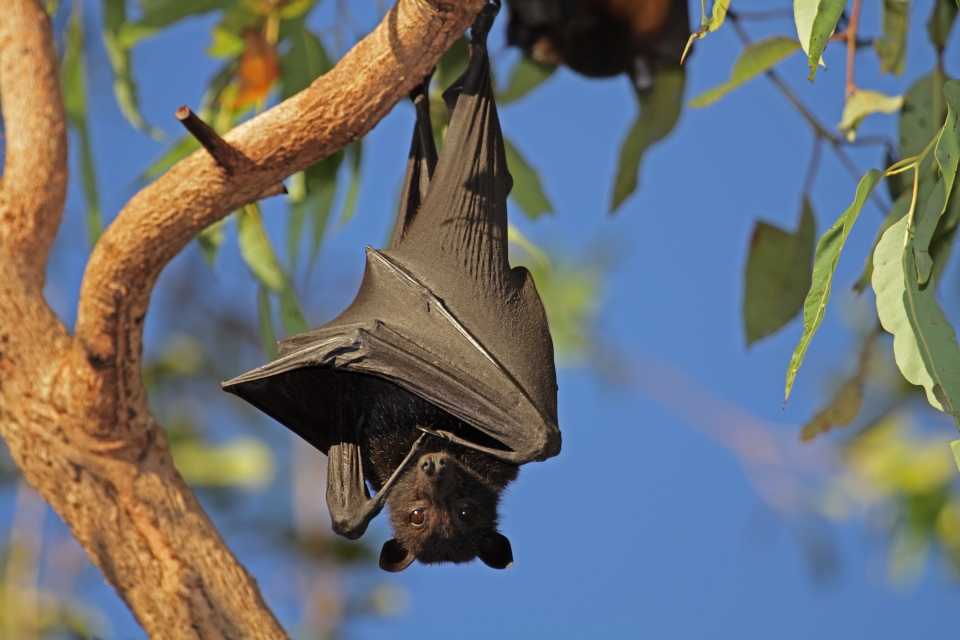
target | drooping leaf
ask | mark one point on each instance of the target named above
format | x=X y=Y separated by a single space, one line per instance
x=707 y=24
x=303 y=63
x=777 y=275
x=290 y=314
x=816 y=21
x=73 y=79
x=527 y=191
x=124 y=87
x=265 y=323
x=924 y=344
x=527 y=74
x=839 y=412
x=922 y=114
x=157 y=14
x=256 y=250
x=659 y=112
x=891 y=48
x=314 y=202
x=210 y=240
x=899 y=209
x=861 y=104
x=756 y=58
x=947 y=154
x=824 y=264
x=941 y=22
x=355 y=154
x=452 y=64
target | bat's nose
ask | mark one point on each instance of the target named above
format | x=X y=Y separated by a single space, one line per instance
x=433 y=464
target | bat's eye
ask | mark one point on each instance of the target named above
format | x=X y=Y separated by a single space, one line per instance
x=417 y=517
x=465 y=513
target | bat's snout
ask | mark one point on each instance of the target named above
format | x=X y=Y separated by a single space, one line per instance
x=434 y=465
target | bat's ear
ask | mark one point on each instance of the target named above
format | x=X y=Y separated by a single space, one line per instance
x=394 y=557
x=495 y=551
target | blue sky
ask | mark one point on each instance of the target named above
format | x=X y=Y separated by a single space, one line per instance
x=643 y=526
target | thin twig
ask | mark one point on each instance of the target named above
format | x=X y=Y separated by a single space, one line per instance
x=812 y=166
x=226 y=156
x=852 y=47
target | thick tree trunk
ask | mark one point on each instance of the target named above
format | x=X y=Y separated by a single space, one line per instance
x=72 y=408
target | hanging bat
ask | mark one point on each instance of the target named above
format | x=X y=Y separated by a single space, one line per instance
x=438 y=380
x=601 y=38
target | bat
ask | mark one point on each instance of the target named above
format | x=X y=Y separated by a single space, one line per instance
x=601 y=38
x=438 y=381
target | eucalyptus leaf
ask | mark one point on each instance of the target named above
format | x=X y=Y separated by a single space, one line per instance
x=245 y=463
x=840 y=411
x=899 y=209
x=290 y=314
x=861 y=104
x=941 y=22
x=256 y=250
x=777 y=275
x=922 y=114
x=157 y=14
x=947 y=154
x=955 y=448
x=756 y=58
x=718 y=14
x=210 y=240
x=124 y=87
x=659 y=111
x=891 y=48
x=452 y=63
x=824 y=264
x=924 y=344
x=306 y=61
x=527 y=191
x=265 y=323
x=527 y=74
x=355 y=154
x=73 y=80
x=816 y=20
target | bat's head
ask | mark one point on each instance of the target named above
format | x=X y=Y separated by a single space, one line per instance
x=443 y=509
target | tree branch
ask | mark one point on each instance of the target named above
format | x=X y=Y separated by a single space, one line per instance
x=34 y=183
x=73 y=410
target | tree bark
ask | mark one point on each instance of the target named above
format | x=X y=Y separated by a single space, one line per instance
x=72 y=408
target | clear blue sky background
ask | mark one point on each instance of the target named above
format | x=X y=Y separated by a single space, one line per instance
x=643 y=527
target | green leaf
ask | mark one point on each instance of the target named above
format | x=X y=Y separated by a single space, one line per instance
x=756 y=58
x=824 y=264
x=303 y=63
x=839 y=412
x=816 y=21
x=245 y=463
x=955 y=447
x=941 y=22
x=210 y=240
x=265 y=322
x=527 y=74
x=659 y=111
x=452 y=64
x=899 y=209
x=777 y=275
x=156 y=14
x=861 y=104
x=891 y=48
x=527 y=191
x=924 y=344
x=73 y=80
x=355 y=153
x=947 y=154
x=315 y=199
x=256 y=250
x=922 y=114
x=290 y=314
x=124 y=88
x=717 y=15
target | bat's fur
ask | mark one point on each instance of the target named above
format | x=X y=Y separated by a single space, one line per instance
x=468 y=478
